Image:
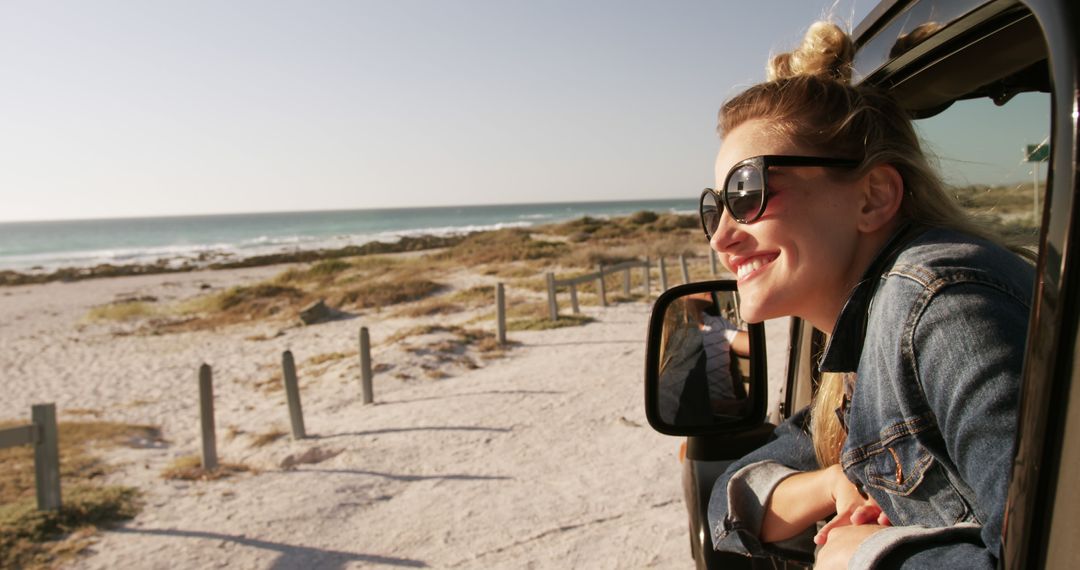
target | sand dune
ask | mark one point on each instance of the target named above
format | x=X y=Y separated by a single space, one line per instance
x=539 y=459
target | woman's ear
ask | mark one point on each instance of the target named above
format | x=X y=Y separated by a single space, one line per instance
x=883 y=191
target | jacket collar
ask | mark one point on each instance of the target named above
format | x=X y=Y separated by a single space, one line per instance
x=844 y=349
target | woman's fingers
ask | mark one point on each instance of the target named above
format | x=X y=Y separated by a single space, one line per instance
x=866 y=514
x=823 y=535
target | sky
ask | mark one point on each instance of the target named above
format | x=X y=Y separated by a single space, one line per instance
x=132 y=108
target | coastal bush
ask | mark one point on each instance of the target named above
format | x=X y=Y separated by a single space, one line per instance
x=642 y=217
x=584 y=225
x=77 y=461
x=246 y=296
x=501 y=246
x=236 y=304
x=125 y=310
x=33 y=539
x=28 y=537
x=545 y=323
x=418 y=330
x=189 y=468
x=328 y=268
x=671 y=222
x=430 y=308
x=390 y=292
x=515 y=270
x=533 y=315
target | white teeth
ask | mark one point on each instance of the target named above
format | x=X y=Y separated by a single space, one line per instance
x=750 y=266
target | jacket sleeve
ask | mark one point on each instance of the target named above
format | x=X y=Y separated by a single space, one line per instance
x=739 y=496
x=968 y=348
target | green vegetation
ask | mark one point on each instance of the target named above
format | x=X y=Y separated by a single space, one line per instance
x=122 y=311
x=189 y=468
x=387 y=292
x=501 y=246
x=545 y=323
x=264 y=439
x=33 y=539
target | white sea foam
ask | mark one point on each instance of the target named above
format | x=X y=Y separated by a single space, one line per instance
x=204 y=254
x=23 y=245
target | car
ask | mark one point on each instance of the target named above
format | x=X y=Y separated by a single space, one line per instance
x=1006 y=74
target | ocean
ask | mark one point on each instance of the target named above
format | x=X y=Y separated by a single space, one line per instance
x=85 y=243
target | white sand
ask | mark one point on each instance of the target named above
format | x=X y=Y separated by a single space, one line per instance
x=542 y=459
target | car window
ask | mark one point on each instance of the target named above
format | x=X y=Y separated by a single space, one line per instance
x=983 y=154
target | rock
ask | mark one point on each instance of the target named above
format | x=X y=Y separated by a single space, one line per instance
x=316 y=312
x=312 y=455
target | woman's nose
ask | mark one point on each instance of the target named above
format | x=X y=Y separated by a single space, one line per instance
x=727 y=233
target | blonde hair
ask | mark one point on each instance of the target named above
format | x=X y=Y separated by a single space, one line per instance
x=809 y=99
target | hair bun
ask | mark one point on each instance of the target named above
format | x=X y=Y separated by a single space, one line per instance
x=826 y=51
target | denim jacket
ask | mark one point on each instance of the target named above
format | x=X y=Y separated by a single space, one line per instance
x=932 y=415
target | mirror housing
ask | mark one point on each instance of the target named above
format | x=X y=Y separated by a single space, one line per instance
x=678 y=397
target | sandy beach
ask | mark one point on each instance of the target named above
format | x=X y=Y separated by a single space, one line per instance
x=540 y=458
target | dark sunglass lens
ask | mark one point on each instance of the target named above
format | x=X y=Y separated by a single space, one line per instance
x=744 y=192
x=710 y=213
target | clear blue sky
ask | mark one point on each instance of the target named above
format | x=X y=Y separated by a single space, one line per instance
x=133 y=108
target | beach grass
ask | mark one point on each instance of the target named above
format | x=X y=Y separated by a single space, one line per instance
x=511 y=253
x=266 y=438
x=123 y=311
x=35 y=539
x=31 y=539
x=189 y=468
x=392 y=291
x=545 y=323
x=500 y=246
x=410 y=283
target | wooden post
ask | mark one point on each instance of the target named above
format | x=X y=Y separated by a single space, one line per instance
x=365 y=366
x=46 y=457
x=663 y=275
x=601 y=286
x=553 y=305
x=206 y=418
x=712 y=261
x=573 y=299
x=500 y=311
x=647 y=278
x=685 y=270
x=626 y=281
x=292 y=395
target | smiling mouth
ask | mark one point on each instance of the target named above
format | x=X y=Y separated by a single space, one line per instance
x=753 y=264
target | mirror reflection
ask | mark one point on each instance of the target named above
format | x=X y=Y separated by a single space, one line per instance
x=704 y=365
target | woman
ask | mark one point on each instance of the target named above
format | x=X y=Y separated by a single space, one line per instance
x=827 y=209
x=696 y=384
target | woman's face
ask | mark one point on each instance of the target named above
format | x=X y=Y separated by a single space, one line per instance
x=799 y=258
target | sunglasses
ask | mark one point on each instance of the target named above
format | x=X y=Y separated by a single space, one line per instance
x=744 y=193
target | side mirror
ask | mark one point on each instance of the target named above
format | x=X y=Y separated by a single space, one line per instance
x=705 y=370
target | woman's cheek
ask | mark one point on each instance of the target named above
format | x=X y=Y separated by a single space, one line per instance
x=774 y=202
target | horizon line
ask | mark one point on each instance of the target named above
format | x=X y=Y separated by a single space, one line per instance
x=327 y=210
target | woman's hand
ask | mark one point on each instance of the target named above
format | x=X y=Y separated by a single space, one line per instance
x=853 y=508
x=843 y=542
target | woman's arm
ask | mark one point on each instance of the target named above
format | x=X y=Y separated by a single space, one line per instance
x=966 y=352
x=806 y=498
x=741 y=343
x=796 y=503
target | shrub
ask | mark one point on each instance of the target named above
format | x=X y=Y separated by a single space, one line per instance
x=392 y=292
x=121 y=311
x=500 y=247
x=643 y=217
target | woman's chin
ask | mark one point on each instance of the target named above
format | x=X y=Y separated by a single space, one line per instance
x=752 y=313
